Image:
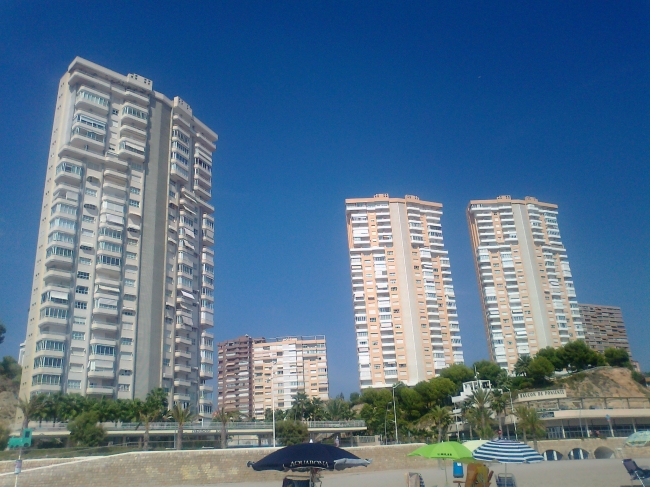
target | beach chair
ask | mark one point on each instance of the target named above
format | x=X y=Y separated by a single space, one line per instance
x=636 y=473
x=483 y=476
x=506 y=480
x=414 y=479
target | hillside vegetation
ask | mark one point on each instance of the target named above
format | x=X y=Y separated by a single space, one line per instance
x=603 y=382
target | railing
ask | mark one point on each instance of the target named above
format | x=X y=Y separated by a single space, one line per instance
x=575 y=403
x=202 y=426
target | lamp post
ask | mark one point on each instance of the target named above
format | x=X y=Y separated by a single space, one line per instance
x=512 y=410
x=386 y=421
x=273 y=398
x=395 y=412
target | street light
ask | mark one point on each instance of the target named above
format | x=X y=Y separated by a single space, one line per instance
x=395 y=411
x=273 y=398
x=512 y=410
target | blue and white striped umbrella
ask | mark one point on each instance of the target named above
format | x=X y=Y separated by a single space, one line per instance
x=506 y=451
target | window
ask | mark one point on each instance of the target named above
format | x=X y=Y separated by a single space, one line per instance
x=87 y=248
x=78 y=335
x=70 y=168
x=78 y=320
x=131 y=256
x=112 y=261
x=89 y=206
x=128 y=312
x=85 y=261
x=85 y=95
x=48 y=296
x=124 y=387
x=53 y=380
x=127 y=110
x=80 y=305
x=179 y=169
x=207 y=304
x=83 y=275
x=176 y=156
x=97 y=349
x=50 y=345
x=63 y=208
x=109 y=205
x=57 y=313
x=81 y=290
x=63 y=223
x=109 y=232
x=74 y=384
x=185 y=268
x=129 y=297
x=60 y=237
x=134 y=190
x=134 y=203
x=131 y=241
x=129 y=282
x=177 y=145
x=90 y=192
x=127 y=341
x=184 y=281
x=88 y=219
x=126 y=373
x=166 y=362
x=180 y=135
x=206 y=291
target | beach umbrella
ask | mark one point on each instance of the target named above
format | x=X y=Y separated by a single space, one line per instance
x=309 y=457
x=640 y=438
x=445 y=450
x=506 y=451
x=472 y=445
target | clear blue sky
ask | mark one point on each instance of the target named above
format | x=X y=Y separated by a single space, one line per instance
x=315 y=102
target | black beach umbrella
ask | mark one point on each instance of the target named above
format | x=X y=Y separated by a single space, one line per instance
x=309 y=457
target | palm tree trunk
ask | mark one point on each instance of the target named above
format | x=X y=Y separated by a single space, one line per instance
x=145 y=446
x=224 y=436
x=179 y=437
x=439 y=434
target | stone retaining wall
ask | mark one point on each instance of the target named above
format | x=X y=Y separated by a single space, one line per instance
x=191 y=467
x=8 y=465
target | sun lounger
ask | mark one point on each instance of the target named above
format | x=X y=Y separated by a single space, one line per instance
x=636 y=473
x=414 y=479
x=506 y=480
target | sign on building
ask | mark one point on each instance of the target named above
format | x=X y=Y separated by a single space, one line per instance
x=540 y=395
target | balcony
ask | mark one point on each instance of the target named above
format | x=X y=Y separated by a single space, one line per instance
x=135 y=115
x=103 y=326
x=179 y=173
x=131 y=130
x=182 y=383
x=182 y=368
x=181 y=354
x=68 y=172
x=127 y=150
x=208 y=237
x=82 y=137
x=59 y=260
x=181 y=397
x=92 y=101
x=205 y=193
x=183 y=340
x=100 y=389
x=115 y=187
x=101 y=374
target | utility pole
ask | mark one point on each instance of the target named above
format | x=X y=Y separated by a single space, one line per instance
x=395 y=412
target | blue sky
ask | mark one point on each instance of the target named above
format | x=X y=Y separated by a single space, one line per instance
x=315 y=102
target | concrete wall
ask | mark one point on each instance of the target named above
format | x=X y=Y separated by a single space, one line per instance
x=191 y=467
x=204 y=467
x=597 y=448
x=8 y=465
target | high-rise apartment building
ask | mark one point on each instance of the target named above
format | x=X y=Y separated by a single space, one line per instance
x=235 y=379
x=527 y=292
x=604 y=327
x=285 y=366
x=122 y=297
x=404 y=304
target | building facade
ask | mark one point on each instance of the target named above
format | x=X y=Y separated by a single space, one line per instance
x=235 y=375
x=405 y=315
x=527 y=292
x=285 y=366
x=604 y=327
x=122 y=295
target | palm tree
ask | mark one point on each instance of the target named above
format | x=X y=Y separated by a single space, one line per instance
x=521 y=367
x=181 y=416
x=224 y=417
x=300 y=404
x=522 y=412
x=498 y=405
x=530 y=423
x=441 y=419
x=30 y=410
x=480 y=402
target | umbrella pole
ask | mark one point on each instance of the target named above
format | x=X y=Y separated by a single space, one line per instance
x=446 y=480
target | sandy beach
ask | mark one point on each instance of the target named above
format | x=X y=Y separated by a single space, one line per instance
x=587 y=473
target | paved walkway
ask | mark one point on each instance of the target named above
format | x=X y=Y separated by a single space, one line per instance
x=567 y=473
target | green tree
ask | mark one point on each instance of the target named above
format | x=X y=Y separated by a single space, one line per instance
x=300 y=406
x=550 y=354
x=411 y=406
x=85 y=429
x=10 y=369
x=30 y=409
x=4 y=437
x=279 y=414
x=578 y=356
x=181 y=416
x=530 y=423
x=499 y=405
x=152 y=409
x=617 y=357
x=355 y=398
x=489 y=371
x=290 y=432
x=539 y=370
x=480 y=403
x=3 y=331
x=436 y=391
x=457 y=373
x=522 y=364
x=315 y=410
x=440 y=418
x=338 y=409
x=224 y=417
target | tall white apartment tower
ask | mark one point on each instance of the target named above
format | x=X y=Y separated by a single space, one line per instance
x=122 y=298
x=527 y=292
x=404 y=304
